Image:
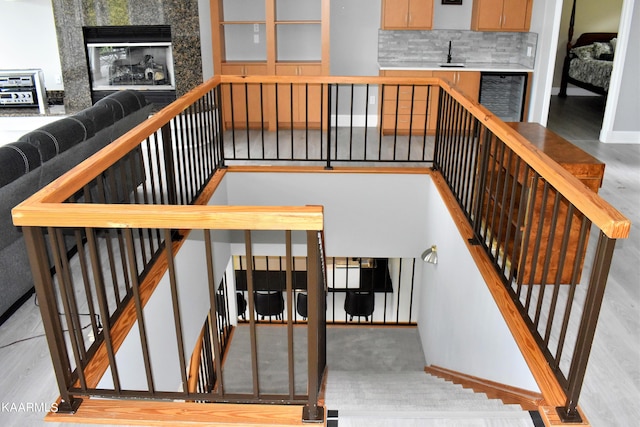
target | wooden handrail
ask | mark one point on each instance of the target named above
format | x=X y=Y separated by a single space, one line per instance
x=182 y=216
x=600 y=213
x=39 y=212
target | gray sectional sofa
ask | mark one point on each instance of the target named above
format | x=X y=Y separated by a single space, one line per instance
x=41 y=156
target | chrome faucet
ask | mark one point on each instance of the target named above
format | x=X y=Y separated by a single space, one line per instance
x=449 y=54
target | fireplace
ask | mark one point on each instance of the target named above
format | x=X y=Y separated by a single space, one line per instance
x=131 y=57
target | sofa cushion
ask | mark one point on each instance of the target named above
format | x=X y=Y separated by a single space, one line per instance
x=56 y=137
x=17 y=159
x=16 y=273
x=101 y=116
x=123 y=103
x=11 y=195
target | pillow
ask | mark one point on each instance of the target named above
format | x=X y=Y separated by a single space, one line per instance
x=583 y=52
x=613 y=43
x=600 y=48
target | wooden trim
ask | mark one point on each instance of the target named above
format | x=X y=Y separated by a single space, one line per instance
x=217 y=41
x=271 y=40
x=550 y=417
x=194 y=362
x=167 y=413
x=374 y=80
x=320 y=169
x=528 y=400
x=326 y=37
x=551 y=390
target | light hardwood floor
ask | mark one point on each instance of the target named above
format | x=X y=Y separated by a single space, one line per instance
x=611 y=393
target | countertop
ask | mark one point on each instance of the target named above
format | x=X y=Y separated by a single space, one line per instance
x=469 y=66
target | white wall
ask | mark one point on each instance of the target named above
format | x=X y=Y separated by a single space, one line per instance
x=460 y=325
x=452 y=16
x=620 y=123
x=381 y=215
x=28 y=39
x=362 y=211
x=545 y=20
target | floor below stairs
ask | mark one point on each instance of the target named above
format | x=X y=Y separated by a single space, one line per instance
x=369 y=388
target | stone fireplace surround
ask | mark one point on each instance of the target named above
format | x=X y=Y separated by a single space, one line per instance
x=72 y=15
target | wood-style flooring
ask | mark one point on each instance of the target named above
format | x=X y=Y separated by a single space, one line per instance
x=611 y=392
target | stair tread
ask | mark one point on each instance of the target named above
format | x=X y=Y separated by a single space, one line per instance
x=409 y=392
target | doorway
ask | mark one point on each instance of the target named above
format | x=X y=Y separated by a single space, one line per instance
x=580 y=115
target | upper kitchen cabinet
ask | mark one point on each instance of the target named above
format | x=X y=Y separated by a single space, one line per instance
x=407 y=14
x=501 y=15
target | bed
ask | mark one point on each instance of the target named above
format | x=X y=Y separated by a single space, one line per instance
x=589 y=62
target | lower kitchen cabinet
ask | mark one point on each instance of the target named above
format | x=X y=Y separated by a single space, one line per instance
x=408 y=109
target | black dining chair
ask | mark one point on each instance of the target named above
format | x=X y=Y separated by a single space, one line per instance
x=360 y=304
x=242 y=305
x=269 y=303
x=301 y=304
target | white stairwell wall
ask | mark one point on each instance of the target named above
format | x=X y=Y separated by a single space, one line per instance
x=374 y=215
x=460 y=325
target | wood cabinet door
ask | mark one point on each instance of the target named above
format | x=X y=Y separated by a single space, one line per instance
x=487 y=14
x=395 y=14
x=299 y=103
x=404 y=108
x=241 y=105
x=469 y=83
x=515 y=15
x=420 y=14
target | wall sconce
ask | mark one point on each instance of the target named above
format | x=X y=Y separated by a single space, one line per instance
x=430 y=255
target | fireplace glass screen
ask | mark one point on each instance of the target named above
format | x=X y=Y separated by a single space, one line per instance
x=131 y=65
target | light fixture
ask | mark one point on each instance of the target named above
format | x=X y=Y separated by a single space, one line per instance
x=430 y=255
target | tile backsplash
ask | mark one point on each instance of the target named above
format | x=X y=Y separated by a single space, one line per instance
x=467 y=46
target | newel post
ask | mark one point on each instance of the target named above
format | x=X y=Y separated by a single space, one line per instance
x=316 y=331
x=54 y=332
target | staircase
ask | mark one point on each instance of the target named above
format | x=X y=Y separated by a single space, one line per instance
x=413 y=398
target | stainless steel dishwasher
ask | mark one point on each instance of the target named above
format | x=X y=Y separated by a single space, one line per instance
x=504 y=94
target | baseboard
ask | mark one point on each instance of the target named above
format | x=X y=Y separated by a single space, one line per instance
x=528 y=400
x=574 y=91
x=356 y=121
x=620 y=137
